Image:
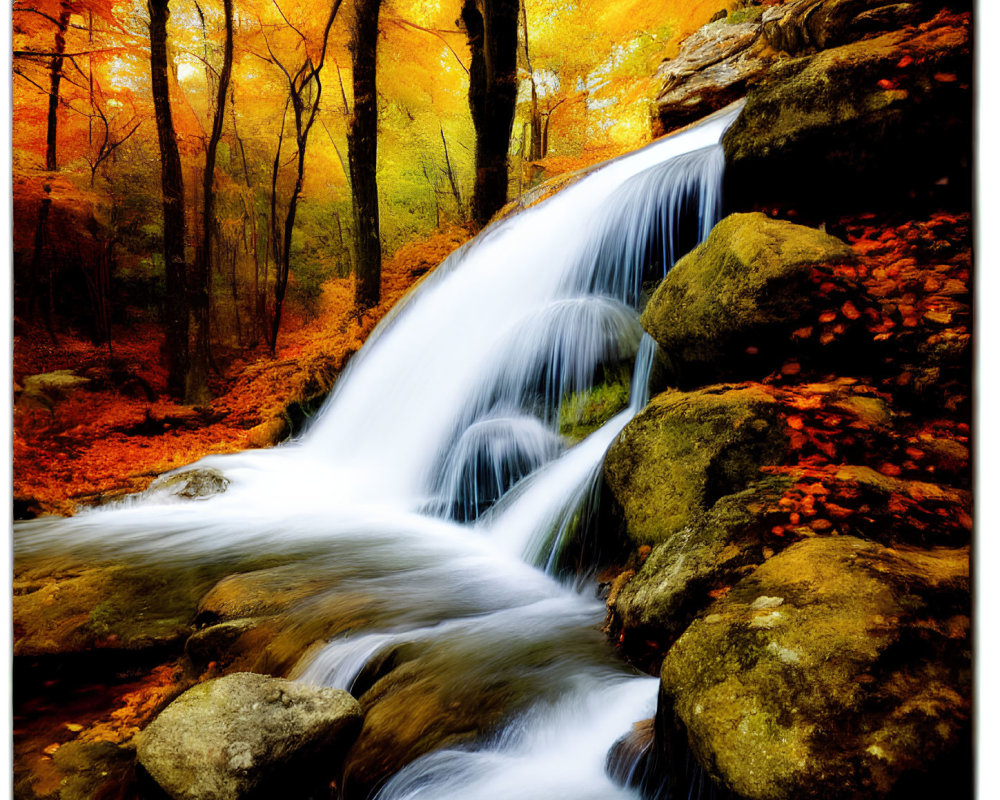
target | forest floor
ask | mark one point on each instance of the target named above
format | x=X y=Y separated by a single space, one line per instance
x=76 y=446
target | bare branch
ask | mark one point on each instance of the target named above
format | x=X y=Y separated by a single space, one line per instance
x=407 y=24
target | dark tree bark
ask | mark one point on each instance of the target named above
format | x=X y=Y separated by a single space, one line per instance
x=362 y=150
x=196 y=389
x=55 y=78
x=491 y=26
x=172 y=182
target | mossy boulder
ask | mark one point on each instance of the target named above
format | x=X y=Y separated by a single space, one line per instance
x=715 y=550
x=234 y=736
x=48 y=389
x=723 y=309
x=685 y=450
x=905 y=94
x=59 y=609
x=839 y=669
x=581 y=413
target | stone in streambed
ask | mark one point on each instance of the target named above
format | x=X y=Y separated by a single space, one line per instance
x=215 y=642
x=60 y=609
x=233 y=736
x=188 y=484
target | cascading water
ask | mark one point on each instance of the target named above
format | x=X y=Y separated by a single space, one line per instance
x=434 y=481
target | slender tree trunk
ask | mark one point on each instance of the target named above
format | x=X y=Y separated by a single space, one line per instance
x=362 y=150
x=535 y=152
x=172 y=182
x=305 y=89
x=491 y=26
x=451 y=179
x=283 y=265
x=55 y=77
x=196 y=391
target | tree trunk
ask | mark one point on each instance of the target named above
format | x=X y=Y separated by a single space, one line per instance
x=196 y=391
x=55 y=77
x=535 y=153
x=362 y=150
x=172 y=182
x=491 y=26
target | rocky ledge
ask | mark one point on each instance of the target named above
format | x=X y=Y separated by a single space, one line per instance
x=797 y=504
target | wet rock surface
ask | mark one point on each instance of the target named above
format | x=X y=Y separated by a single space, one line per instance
x=241 y=734
x=60 y=609
x=189 y=484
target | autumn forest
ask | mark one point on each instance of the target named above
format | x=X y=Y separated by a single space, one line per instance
x=490 y=399
x=194 y=182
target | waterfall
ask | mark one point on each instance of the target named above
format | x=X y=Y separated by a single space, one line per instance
x=435 y=486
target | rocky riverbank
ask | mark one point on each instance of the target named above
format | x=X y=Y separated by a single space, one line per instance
x=797 y=497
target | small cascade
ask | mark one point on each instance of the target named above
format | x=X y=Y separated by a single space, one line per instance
x=434 y=493
x=644 y=360
x=656 y=217
x=489 y=457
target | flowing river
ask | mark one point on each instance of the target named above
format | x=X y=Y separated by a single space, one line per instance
x=434 y=489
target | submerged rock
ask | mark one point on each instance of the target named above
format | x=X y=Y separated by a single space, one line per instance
x=744 y=288
x=687 y=449
x=189 y=484
x=835 y=670
x=61 y=609
x=236 y=735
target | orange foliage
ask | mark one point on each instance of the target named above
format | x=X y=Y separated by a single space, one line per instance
x=104 y=441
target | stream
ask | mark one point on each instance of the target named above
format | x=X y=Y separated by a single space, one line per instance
x=434 y=490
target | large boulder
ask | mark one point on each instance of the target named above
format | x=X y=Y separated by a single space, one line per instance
x=233 y=736
x=838 y=669
x=873 y=123
x=685 y=450
x=722 y=309
x=715 y=66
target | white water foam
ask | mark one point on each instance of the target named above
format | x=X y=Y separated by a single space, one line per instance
x=453 y=404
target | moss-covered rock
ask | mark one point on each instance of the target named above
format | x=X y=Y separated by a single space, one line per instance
x=581 y=413
x=61 y=609
x=744 y=288
x=717 y=549
x=906 y=94
x=685 y=450
x=837 y=669
x=228 y=737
